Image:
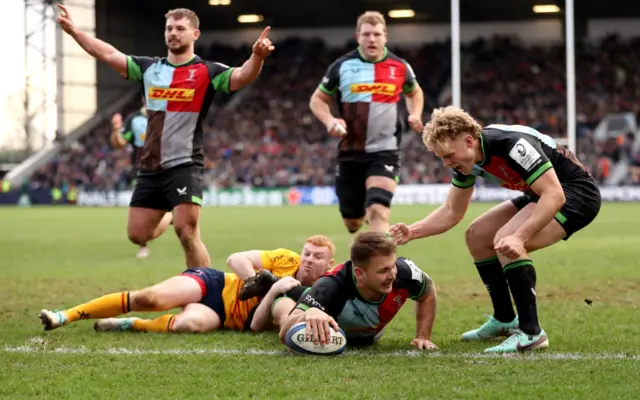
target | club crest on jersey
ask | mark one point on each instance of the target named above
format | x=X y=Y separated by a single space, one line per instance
x=392 y=73
x=171 y=94
x=374 y=88
x=192 y=73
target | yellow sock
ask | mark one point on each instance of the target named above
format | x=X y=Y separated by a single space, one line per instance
x=161 y=324
x=111 y=305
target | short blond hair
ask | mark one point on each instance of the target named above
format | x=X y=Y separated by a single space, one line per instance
x=449 y=123
x=323 y=241
x=372 y=18
x=180 y=13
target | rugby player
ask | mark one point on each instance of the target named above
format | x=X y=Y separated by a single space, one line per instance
x=178 y=92
x=363 y=295
x=368 y=82
x=208 y=297
x=559 y=198
x=132 y=131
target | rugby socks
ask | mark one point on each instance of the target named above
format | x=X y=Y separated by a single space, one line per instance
x=162 y=324
x=496 y=283
x=522 y=280
x=111 y=305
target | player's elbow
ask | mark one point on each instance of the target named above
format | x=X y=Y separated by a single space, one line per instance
x=283 y=333
x=232 y=260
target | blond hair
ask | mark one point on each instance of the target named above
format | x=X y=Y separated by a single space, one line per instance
x=180 y=13
x=367 y=245
x=371 y=18
x=323 y=241
x=449 y=123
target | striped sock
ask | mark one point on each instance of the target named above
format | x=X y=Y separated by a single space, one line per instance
x=111 y=305
x=161 y=324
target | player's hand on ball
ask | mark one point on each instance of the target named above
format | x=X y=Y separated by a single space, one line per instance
x=511 y=247
x=64 y=19
x=337 y=127
x=415 y=123
x=400 y=233
x=423 y=344
x=263 y=46
x=319 y=323
x=285 y=284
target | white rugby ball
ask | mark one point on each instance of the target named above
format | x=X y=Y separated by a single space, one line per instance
x=298 y=342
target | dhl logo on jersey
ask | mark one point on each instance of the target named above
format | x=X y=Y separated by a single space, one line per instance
x=171 y=94
x=374 y=88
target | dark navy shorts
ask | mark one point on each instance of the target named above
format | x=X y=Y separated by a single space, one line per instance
x=211 y=282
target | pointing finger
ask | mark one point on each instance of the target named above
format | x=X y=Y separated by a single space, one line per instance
x=264 y=33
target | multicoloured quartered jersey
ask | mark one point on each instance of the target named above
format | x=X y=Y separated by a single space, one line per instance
x=516 y=155
x=363 y=321
x=177 y=99
x=368 y=94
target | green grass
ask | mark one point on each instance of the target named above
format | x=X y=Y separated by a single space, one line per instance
x=57 y=257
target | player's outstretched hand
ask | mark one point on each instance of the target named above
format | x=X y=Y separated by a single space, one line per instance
x=337 y=127
x=263 y=46
x=415 y=123
x=511 y=247
x=64 y=19
x=319 y=323
x=400 y=233
x=423 y=344
x=285 y=284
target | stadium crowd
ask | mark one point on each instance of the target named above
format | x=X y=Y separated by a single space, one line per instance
x=269 y=138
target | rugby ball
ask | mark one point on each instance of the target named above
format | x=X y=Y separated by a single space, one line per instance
x=298 y=342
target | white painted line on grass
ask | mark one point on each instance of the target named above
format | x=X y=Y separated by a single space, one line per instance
x=543 y=355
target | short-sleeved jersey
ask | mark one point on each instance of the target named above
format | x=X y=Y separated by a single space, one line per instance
x=281 y=263
x=516 y=155
x=368 y=94
x=363 y=321
x=177 y=99
x=133 y=131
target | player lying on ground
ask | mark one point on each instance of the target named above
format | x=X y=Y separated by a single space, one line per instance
x=363 y=295
x=560 y=198
x=209 y=297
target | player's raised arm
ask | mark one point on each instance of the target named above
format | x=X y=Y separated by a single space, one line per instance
x=439 y=221
x=95 y=47
x=245 y=263
x=251 y=68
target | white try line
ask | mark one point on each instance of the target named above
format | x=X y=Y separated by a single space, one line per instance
x=543 y=355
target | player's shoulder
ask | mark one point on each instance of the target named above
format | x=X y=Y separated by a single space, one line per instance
x=408 y=270
x=351 y=55
x=340 y=272
x=496 y=136
x=391 y=56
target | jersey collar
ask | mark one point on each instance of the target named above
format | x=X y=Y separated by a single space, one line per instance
x=384 y=56
x=193 y=60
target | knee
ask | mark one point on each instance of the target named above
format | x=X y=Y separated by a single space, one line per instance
x=471 y=235
x=145 y=299
x=137 y=236
x=192 y=324
x=185 y=233
x=353 y=225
